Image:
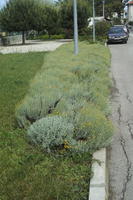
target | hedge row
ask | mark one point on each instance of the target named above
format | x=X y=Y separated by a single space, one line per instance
x=67 y=103
x=47 y=37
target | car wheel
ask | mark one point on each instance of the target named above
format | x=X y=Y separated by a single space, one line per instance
x=125 y=41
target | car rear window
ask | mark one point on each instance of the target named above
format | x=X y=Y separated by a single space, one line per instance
x=116 y=30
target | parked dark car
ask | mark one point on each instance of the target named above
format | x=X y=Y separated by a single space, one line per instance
x=117 y=34
x=125 y=28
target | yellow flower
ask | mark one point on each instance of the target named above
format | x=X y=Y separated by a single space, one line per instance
x=66 y=145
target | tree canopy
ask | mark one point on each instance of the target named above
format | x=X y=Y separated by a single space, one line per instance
x=25 y=15
x=20 y=15
x=53 y=18
x=66 y=14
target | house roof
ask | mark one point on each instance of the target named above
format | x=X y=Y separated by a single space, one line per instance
x=130 y=3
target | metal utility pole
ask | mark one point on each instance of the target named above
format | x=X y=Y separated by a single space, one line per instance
x=75 y=27
x=94 y=32
x=104 y=8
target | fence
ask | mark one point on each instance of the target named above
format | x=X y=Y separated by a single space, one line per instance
x=10 y=40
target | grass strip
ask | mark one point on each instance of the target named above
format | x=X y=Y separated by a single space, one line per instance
x=15 y=72
x=25 y=171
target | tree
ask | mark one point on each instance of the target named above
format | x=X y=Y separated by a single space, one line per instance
x=52 y=22
x=111 y=6
x=21 y=16
x=66 y=15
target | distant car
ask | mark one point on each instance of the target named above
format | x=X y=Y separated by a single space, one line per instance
x=117 y=34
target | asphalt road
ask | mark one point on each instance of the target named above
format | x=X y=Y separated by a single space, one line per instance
x=121 y=151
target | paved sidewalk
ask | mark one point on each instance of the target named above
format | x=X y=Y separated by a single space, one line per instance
x=33 y=46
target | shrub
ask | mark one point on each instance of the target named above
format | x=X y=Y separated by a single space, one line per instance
x=92 y=126
x=47 y=37
x=116 y=21
x=65 y=87
x=56 y=37
x=46 y=92
x=68 y=108
x=43 y=37
x=101 y=29
x=32 y=109
x=74 y=79
x=88 y=131
x=51 y=132
x=130 y=23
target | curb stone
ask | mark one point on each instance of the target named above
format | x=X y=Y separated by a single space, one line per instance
x=99 y=183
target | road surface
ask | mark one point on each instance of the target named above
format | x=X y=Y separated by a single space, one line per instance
x=121 y=151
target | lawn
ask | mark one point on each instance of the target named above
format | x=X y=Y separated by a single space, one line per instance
x=16 y=70
x=26 y=172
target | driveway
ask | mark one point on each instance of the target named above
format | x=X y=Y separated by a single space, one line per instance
x=121 y=151
x=33 y=46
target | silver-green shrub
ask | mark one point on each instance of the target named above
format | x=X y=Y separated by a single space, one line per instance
x=72 y=89
x=51 y=132
x=37 y=107
x=91 y=125
x=47 y=90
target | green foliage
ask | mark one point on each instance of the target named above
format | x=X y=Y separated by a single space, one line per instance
x=56 y=37
x=28 y=173
x=51 y=132
x=32 y=109
x=66 y=15
x=26 y=15
x=25 y=171
x=116 y=21
x=66 y=88
x=57 y=80
x=131 y=23
x=101 y=28
x=52 y=20
x=47 y=37
x=111 y=6
x=42 y=37
x=92 y=125
x=21 y=15
x=47 y=90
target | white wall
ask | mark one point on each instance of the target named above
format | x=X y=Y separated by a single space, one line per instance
x=130 y=13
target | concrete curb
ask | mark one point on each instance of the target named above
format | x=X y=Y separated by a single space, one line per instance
x=99 y=183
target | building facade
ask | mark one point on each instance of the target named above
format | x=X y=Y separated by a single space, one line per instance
x=130 y=11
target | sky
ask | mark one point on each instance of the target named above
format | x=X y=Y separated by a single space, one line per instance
x=2 y=3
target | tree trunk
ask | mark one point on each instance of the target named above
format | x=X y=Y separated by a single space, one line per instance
x=23 y=37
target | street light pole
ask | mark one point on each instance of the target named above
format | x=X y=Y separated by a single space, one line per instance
x=94 y=32
x=103 y=8
x=75 y=27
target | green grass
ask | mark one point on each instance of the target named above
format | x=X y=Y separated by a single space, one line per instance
x=15 y=72
x=26 y=173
